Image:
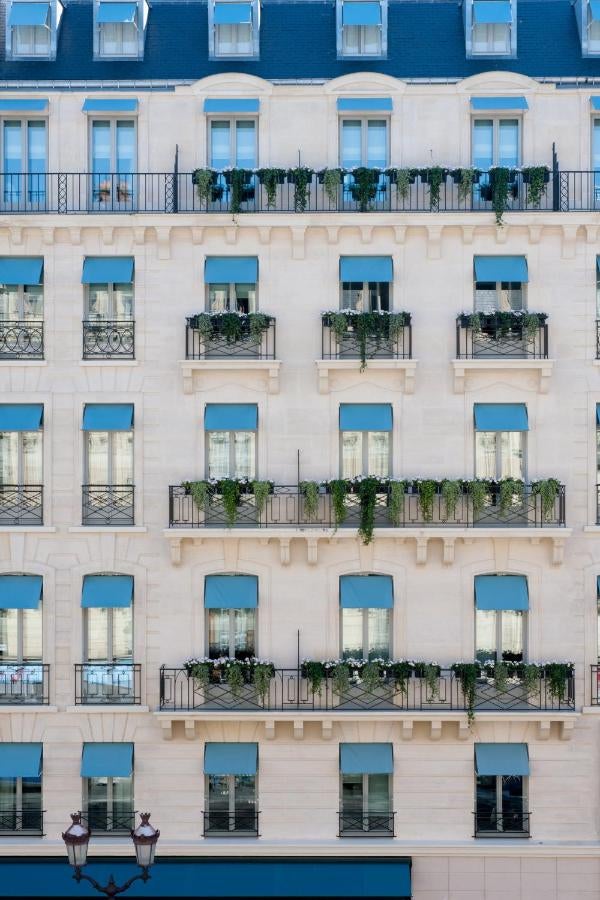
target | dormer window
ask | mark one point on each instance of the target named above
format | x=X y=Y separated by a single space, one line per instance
x=490 y=27
x=233 y=29
x=31 y=29
x=119 y=29
x=588 y=21
x=362 y=28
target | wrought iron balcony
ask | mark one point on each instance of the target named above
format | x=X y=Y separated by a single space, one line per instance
x=21 y=339
x=109 y=339
x=291 y=690
x=220 y=344
x=108 y=504
x=286 y=507
x=355 y=823
x=352 y=345
x=222 y=823
x=21 y=821
x=175 y=192
x=494 y=824
x=21 y=504
x=486 y=337
x=595 y=684
x=101 y=820
x=24 y=684
x=108 y=683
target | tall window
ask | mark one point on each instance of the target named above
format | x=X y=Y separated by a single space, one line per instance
x=22 y=302
x=24 y=160
x=231 y=284
x=231 y=787
x=113 y=159
x=365 y=440
x=109 y=458
x=496 y=142
x=231 y=431
x=501 y=607
x=233 y=29
x=20 y=631
x=109 y=634
x=491 y=28
x=493 y=38
x=20 y=787
x=231 y=605
x=31 y=40
x=500 y=283
x=109 y=300
x=21 y=458
x=500 y=440
x=363 y=142
x=501 y=778
x=365 y=296
x=366 y=788
x=108 y=798
x=593 y=28
x=366 y=603
x=362 y=28
x=233 y=143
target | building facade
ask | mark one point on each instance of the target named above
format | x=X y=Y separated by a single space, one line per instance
x=299 y=446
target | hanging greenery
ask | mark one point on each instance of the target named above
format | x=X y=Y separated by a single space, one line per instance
x=478 y=491
x=500 y=181
x=434 y=177
x=537 y=177
x=310 y=491
x=261 y=679
x=510 y=493
x=270 y=178
x=465 y=178
x=200 y=672
x=332 y=180
x=501 y=323
x=340 y=676
x=241 y=187
x=401 y=671
x=338 y=488
x=396 y=494
x=364 y=186
x=234 y=675
x=204 y=180
x=233 y=326
x=371 y=329
x=403 y=179
x=367 y=495
x=314 y=672
x=200 y=492
x=231 y=494
x=427 y=489
x=301 y=178
x=557 y=674
x=371 y=676
x=530 y=676
x=451 y=492
x=501 y=677
x=467 y=674
x=430 y=673
x=261 y=490
x=548 y=490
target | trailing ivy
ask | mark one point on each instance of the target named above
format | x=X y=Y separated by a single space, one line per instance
x=231 y=493
x=500 y=184
x=241 y=187
x=510 y=494
x=341 y=679
x=261 y=490
x=200 y=492
x=314 y=672
x=427 y=490
x=502 y=322
x=401 y=671
x=270 y=178
x=371 y=676
x=338 y=488
x=434 y=177
x=403 y=179
x=367 y=495
x=233 y=326
x=451 y=491
x=467 y=674
x=396 y=496
x=204 y=180
x=332 y=180
x=548 y=490
x=310 y=491
x=537 y=178
x=368 y=327
x=364 y=187
x=465 y=179
x=301 y=178
x=234 y=672
x=478 y=491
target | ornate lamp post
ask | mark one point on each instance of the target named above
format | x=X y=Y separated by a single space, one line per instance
x=77 y=839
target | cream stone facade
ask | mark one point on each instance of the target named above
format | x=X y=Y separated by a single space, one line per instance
x=298 y=395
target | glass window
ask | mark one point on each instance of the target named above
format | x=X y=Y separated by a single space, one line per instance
x=500 y=634
x=21 y=635
x=231 y=632
x=366 y=803
x=109 y=803
x=231 y=803
x=504 y=296
x=366 y=633
x=24 y=163
x=112 y=301
x=21 y=302
x=234 y=40
x=496 y=142
x=21 y=457
x=365 y=296
x=21 y=804
x=232 y=297
x=113 y=159
x=109 y=457
x=501 y=804
x=361 y=40
x=233 y=143
x=500 y=454
x=593 y=26
x=109 y=634
x=231 y=454
x=118 y=38
x=31 y=40
x=366 y=453
x=364 y=142
x=491 y=39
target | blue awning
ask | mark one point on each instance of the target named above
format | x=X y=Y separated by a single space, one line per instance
x=102 y=760
x=366 y=759
x=230 y=591
x=100 y=591
x=501 y=592
x=107 y=417
x=230 y=759
x=23 y=105
x=360 y=591
x=232 y=104
x=366 y=268
x=598 y=413
x=501 y=759
x=501 y=268
x=231 y=417
x=20 y=761
x=361 y=12
x=365 y=417
x=107 y=269
x=21 y=269
x=20 y=591
x=105 y=105
x=595 y=9
x=501 y=417
x=28 y=14
x=492 y=12
x=480 y=103
x=109 y=13
x=368 y=104
x=21 y=416
x=232 y=13
x=225 y=269
x=595 y=101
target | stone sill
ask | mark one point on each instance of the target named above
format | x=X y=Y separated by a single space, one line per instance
x=405 y=367
x=122 y=363
x=108 y=708
x=27 y=529
x=107 y=529
x=4 y=363
x=20 y=708
x=462 y=367
x=270 y=367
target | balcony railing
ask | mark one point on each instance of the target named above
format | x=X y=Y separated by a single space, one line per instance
x=219 y=345
x=240 y=823
x=108 y=504
x=21 y=821
x=290 y=690
x=595 y=683
x=492 y=341
x=24 y=684
x=493 y=824
x=175 y=192
x=109 y=339
x=371 y=824
x=350 y=345
x=21 y=339
x=101 y=820
x=286 y=507
x=21 y=504
x=108 y=683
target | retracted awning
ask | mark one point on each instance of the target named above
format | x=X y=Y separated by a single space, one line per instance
x=366 y=268
x=361 y=12
x=104 y=104
x=107 y=269
x=360 y=591
x=20 y=761
x=108 y=417
x=20 y=591
x=101 y=760
x=35 y=14
x=21 y=416
x=366 y=759
x=232 y=13
x=226 y=269
x=21 y=269
x=116 y=13
x=501 y=592
x=230 y=759
x=231 y=592
x=231 y=104
x=365 y=104
x=501 y=417
x=498 y=103
x=492 y=12
x=501 y=268
x=100 y=591
x=365 y=417
x=501 y=759
x=231 y=417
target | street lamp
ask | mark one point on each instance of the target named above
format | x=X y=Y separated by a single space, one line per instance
x=77 y=839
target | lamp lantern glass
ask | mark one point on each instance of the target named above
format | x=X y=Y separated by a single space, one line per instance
x=77 y=839
x=145 y=838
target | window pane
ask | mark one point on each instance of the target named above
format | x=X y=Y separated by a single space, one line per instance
x=10 y=306
x=97 y=792
x=379 y=296
x=353 y=295
x=245 y=145
x=233 y=40
x=36 y=160
x=122 y=447
x=512 y=634
x=31 y=791
x=485 y=634
x=500 y=37
x=122 y=793
x=377 y=144
x=352 y=793
x=245 y=298
x=9 y=457
x=379 y=793
x=101 y=155
x=129 y=39
x=371 y=39
x=9 y=644
x=486 y=296
x=98 y=301
x=483 y=143
x=352 y=633
x=218 y=297
x=123 y=300
x=351 y=143
x=109 y=38
x=511 y=454
x=512 y=802
x=97 y=634
x=125 y=147
x=97 y=457
x=244 y=633
x=486 y=803
x=245 y=791
x=32 y=634
x=33 y=301
x=220 y=145
x=379 y=453
x=508 y=142
x=12 y=149
x=511 y=296
x=244 y=444
x=8 y=793
x=32 y=457
x=351 y=39
x=379 y=633
x=596 y=144
x=218 y=794
x=218 y=632
x=352 y=442
x=485 y=454
x=218 y=454
x=122 y=635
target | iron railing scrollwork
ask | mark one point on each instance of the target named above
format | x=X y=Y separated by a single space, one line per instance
x=242 y=822
x=356 y=823
x=497 y=343
x=21 y=339
x=109 y=339
x=108 y=683
x=349 y=345
x=108 y=504
x=21 y=504
x=17 y=821
x=24 y=684
x=219 y=346
x=509 y=823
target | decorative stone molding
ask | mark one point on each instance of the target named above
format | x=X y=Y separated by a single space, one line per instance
x=406 y=368
x=462 y=368
x=270 y=368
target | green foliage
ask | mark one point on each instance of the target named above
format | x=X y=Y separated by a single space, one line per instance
x=270 y=178
x=200 y=492
x=261 y=490
x=501 y=676
x=451 y=491
x=231 y=492
x=500 y=183
x=537 y=178
x=234 y=675
x=404 y=179
x=341 y=679
x=548 y=490
x=201 y=672
x=301 y=178
x=364 y=188
x=467 y=674
x=510 y=493
x=367 y=327
x=401 y=672
x=310 y=492
x=232 y=326
x=478 y=491
x=427 y=489
x=367 y=494
x=465 y=184
x=203 y=179
x=332 y=179
x=531 y=678
x=339 y=489
x=557 y=674
x=240 y=184
x=371 y=676
x=396 y=496
x=262 y=674
x=435 y=177
x=314 y=672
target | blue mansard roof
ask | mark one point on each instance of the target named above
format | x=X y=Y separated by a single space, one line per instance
x=298 y=41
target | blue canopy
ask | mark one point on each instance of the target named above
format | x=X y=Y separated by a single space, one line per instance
x=20 y=761
x=21 y=416
x=232 y=104
x=368 y=104
x=225 y=269
x=361 y=12
x=501 y=592
x=230 y=591
x=501 y=417
x=598 y=413
x=230 y=759
x=365 y=417
x=595 y=9
x=501 y=268
x=499 y=103
x=20 y=591
x=23 y=105
x=103 y=760
x=501 y=759
x=231 y=417
x=109 y=13
x=106 y=105
x=595 y=101
x=232 y=13
x=107 y=417
x=366 y=268
x=28 y=14
x=366 y=759
x=21 y=269
x=107 y=269
x=492 y=12
x=101 y=591
x=360 y=591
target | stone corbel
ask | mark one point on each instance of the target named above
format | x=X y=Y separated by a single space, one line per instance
x=422 y=550
x=264 y=234
x=569 y=241
x=435 y=729
x=591 y=234
x=188 y=380
x=406 y=729
x=501 y=234
x=464 y=731
x=323 y=373
x=535 y=233
x=558 y=551
x=175 y=548
x=448 y=551
x=166 y=727
x=459 y=379
x=270 y=729
x=284 y=551
x=366 y=234
x=409 y=380
x=326 y=729
x=163 y=241
x=189 y=727
x=545 y=374
x=333 y=234
x=298 y=234
x=312 y=551
x=400 y=233
x=139 y=235
x=75 y=235
x=298 y=729
x=108 y=235
x=48 y=237
x=231 y=234
x=468 y=232
x=544 y=728
x=273 y=379
x=434 y=241
x=566 y=730
x=16 y=235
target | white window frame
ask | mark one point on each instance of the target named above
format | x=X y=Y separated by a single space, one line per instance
x=110 y=655
x=110 y=453
x=365 y=451
x=231 y=294
x=469 y=24
x=499 y=803
x=364 y=119
x=231 y=433
x=383 y=29
x=111 y=291
x=232 y=119
x=365 y=631
x=19 y=289
x=231 y=611
x=25 y=190
x=495 y=118
x=110 y=799
x=499 y=291
x=498 y=450
x=140 y=20
x=21 y=456
x=254 y=38
x=498 y=628
x=366 y=296
x=21 y=658
x=53 y=23
x=112 y=118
